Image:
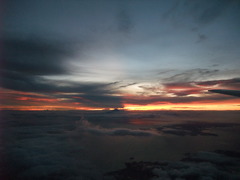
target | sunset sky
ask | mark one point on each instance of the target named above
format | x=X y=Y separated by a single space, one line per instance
x=131 y=54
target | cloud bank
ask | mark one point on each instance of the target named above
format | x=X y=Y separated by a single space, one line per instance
x=84 y=125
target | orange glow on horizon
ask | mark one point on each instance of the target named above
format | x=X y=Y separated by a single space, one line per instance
x=211 y=106
x=215 y=106
x=15 y=100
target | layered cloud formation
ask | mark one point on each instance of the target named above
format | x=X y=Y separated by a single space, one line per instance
x=96 y=55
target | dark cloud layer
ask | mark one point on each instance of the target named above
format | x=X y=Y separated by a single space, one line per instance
x=192 y=128
x=227 y=83
x=34 y=56
x=200 y=165
x=227 y=92
x=26 y=61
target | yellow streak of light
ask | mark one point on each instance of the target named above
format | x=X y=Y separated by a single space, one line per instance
x=215 y=107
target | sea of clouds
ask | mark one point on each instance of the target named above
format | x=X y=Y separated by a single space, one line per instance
x=52 y=145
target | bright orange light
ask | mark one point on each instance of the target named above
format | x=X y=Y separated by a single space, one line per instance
x=223 y=105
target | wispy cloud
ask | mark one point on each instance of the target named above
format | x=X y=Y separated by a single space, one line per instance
x=192 y=75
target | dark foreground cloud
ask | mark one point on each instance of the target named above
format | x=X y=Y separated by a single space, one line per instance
x=47 y=145
x=38 y=147
x=200 y=165
x=228 y=92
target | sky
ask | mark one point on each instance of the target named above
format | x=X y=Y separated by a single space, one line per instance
x=131 y=54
